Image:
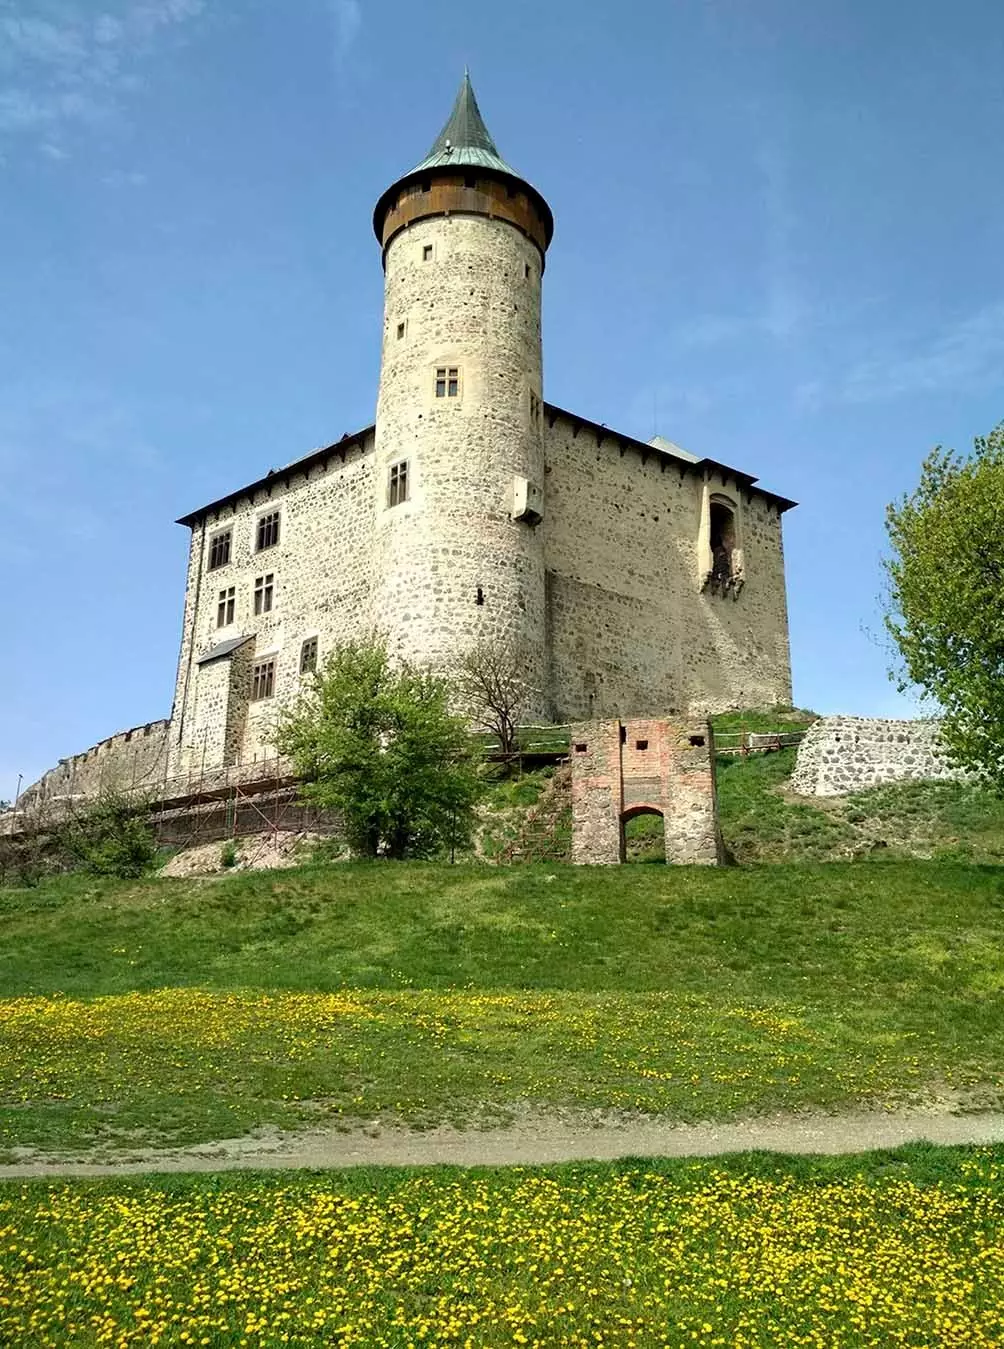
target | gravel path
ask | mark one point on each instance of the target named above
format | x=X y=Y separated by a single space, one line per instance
x=538 y=1139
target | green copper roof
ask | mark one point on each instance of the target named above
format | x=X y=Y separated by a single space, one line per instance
x=465 y=140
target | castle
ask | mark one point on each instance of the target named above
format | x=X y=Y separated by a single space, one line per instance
x=636 y=577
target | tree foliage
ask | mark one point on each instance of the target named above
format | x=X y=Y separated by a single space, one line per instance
x=110 y=836
x=492 y=683
x=946 y=598
x=378 y=743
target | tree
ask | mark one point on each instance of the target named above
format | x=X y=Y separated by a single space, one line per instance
x=946 y=598
x=378 y=743
x=492 y=682
x=109 y=836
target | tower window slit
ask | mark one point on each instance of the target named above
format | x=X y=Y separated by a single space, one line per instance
x=480 y=596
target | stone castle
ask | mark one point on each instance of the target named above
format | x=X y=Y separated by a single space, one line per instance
x=636 y=577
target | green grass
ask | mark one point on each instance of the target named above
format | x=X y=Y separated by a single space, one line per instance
x=683 y=991
x=891 y=1248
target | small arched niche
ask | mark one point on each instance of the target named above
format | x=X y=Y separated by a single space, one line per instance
x=722 y=546
x=643 y=835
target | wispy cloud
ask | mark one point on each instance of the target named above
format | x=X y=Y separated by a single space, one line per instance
x=966 y=356
x=348 y=19
x=62 y=65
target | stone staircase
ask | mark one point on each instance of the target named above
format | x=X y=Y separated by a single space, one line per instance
x=545 y=832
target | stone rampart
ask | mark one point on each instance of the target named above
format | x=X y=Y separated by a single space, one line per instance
x=129 y=759
x=846 y=754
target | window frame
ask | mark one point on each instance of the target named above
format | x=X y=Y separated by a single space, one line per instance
x=446 y=383
x=226 y=604
x=216 y=539
x=264 y=594
x=308 y=651
x=398 y=483
x=264 y=525
x=263 y=679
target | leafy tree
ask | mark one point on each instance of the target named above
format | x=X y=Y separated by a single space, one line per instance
x=110 y=836
x=378 y=743
x=946 y=598
x=492 y=683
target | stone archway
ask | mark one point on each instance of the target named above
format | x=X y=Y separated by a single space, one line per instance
x=641 y=840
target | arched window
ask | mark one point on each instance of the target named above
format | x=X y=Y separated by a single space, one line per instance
x=723 y=540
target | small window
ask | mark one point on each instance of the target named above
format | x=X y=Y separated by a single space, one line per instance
x=400 y=331
x=397 y=483
x=268 y=531
x=264 y=593
x=697 y=741
x=623 y=735
x=470 y=180
x=526 y=270
x=534 y=408
x=447 y=381
x=219 y=549
x=225 y=607
x=580 y=748
x=641 y=744
x=479 y=598
x=263 y=679
x=427 y=253
x=308 y=655
x=723 y=542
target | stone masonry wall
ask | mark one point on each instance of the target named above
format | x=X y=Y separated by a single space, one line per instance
x=134 y=758
x=451 y=565
x=322 y=573
x=630 y=627
x=644 y=765
x=845 y=754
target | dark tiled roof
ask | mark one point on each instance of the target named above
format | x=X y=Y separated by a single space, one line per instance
x=221 y=649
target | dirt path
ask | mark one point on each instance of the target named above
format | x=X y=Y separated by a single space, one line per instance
x=538 y=1139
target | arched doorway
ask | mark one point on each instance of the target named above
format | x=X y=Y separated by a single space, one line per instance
x=643 y=835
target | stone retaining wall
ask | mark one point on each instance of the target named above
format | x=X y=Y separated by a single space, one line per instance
x=845 y=754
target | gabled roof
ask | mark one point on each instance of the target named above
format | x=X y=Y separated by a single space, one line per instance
x=221 y=649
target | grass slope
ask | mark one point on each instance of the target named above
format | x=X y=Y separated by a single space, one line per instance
x=897 y=1248
x=688 y=992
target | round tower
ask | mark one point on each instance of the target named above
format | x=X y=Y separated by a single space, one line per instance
x=459 y=425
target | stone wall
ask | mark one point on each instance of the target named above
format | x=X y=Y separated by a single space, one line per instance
x=631 y=626
x=136 y=758
x=653 y=765
x=321 y=571
x=839 y=755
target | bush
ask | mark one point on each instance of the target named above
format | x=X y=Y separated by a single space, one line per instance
x=109 y=837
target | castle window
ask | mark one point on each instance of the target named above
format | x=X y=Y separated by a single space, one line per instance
x=526 y=271
x=225 y=607
x=427 y=252
x=263 y=679
x=479 y=598
x=534 y=408
x=447 y=381
x=268 y=531
x=470 y=180
x=308 y=655
x=219 y=549
x=641 y=744
x=397 y=483
x=723 y=541
x=264 y=593
x=400 y=331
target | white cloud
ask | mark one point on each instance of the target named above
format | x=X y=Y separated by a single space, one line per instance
x=62 y=64
x=348 y=18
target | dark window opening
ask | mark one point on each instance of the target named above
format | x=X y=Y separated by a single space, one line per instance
x=641 y=744
x=397 y=483
x=264 y=593
x=697 y=741
x=263 y=679
x=480 y=596
x=219 y=549
x=400 y=331
x=268 y=531
x=308 y=655
x=526 y=270
x=580 y=749
x=447 y=381
x=225 y=607
x=470 y=180
x=723 y=542
x=427 y=252
x=623 y=735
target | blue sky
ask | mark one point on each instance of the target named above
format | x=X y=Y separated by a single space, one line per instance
x=777 y=243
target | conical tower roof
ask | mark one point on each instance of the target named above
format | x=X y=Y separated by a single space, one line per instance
x=464 y=142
